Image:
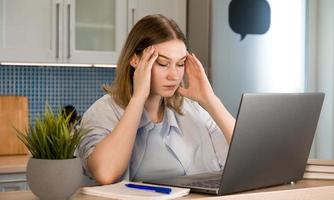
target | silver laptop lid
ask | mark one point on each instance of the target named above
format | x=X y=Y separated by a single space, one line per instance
x=271 y=141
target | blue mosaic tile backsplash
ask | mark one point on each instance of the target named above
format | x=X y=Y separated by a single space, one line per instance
x=57 y=86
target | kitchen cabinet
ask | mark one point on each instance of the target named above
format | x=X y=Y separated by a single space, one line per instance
x=13 y=182
x=75 y=31
x=63 y=31
x=26 y=30
x=95 y=32
x=175 y=9
x=13 y=173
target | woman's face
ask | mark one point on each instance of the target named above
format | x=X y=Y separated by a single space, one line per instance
x=168 y=69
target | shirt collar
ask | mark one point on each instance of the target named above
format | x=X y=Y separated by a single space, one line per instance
x=145 y=120
x=169 y=117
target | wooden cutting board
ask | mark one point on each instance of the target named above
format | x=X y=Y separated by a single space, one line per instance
x=13 y=112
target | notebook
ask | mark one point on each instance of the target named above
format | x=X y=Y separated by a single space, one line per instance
x=271 y=142
x=120 y=191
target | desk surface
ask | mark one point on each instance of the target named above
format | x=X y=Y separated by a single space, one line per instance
x=13 y=164
x=302 y=190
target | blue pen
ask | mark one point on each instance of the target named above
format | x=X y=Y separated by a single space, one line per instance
x=163 y=190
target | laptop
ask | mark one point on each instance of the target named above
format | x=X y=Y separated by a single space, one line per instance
x=270 y=146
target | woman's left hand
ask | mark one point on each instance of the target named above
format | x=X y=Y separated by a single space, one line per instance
x=199 y=88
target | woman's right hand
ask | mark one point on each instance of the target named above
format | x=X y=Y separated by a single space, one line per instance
x=142 y=74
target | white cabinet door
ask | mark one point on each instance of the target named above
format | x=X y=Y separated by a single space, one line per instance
x=75 y=31
x=95 y=30
x=63 y=31
x=175 y=9
x=26 y=30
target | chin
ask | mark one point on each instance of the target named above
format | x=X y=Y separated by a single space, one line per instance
x=167 y=94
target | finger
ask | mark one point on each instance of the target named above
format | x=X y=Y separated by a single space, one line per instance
x=197 y=62
x=152 y=59
x=192 y=59
x=189 y=61
x=183 y=91
x=190 y=69
x=191 y=65
x=147 y=53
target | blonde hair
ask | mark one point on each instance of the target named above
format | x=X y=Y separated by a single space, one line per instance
x=150 y=30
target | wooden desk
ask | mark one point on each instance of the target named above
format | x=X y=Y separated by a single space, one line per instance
x=303 y=190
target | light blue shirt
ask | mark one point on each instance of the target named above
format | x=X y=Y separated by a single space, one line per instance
x=193 y=138
x=158 y=161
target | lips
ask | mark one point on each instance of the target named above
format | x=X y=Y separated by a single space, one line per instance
x=170 y=87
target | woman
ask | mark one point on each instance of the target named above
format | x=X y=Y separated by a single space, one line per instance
x=149 y=126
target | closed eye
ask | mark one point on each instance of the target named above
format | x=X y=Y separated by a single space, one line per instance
x=181 y=62
x=162 y=64
x=180 y=65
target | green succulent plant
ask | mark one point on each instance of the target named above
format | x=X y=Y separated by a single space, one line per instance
x=52 y=136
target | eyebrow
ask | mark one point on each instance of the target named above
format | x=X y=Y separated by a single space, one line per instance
x=166 y=57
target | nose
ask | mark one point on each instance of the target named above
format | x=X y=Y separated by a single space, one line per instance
x=172 y=73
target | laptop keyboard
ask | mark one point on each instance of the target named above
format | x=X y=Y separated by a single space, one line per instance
x=211 y=183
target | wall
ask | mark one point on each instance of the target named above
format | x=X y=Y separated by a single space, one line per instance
x=59 y=86
x=273 y=62
x=199 y=31
x=238 y=67
x=320 y=71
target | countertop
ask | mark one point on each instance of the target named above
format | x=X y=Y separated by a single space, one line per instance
x=13 y=164
x=302 y=190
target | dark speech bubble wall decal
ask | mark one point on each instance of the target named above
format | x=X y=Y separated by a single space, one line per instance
x=249 y=17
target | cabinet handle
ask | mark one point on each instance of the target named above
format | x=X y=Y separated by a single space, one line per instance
x=57 y=30
x=68 y=31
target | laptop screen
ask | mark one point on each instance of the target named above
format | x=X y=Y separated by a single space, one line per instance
x=271 y=141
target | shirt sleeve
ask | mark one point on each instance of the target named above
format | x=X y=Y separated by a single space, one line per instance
x=218 y=139
x=101 y=118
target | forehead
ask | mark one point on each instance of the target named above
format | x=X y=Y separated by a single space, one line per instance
x=174 y=49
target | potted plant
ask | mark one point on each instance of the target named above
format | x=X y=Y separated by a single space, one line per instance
x=53 y=172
